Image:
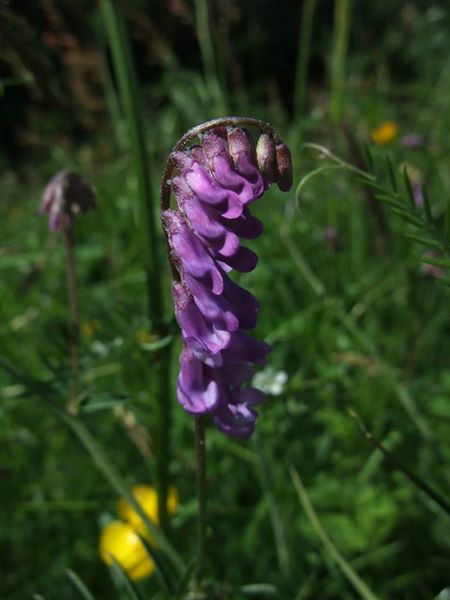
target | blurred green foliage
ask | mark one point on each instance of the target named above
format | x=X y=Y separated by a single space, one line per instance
x=354 y=319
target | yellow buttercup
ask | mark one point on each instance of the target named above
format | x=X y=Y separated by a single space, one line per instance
x=147 y=497
x=385 y=133
x=121 y=538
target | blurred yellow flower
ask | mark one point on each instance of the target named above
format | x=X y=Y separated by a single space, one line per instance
x=119 y=540
x=385 y=132
x=145 y=337
x=88 y=328
x=147 y=497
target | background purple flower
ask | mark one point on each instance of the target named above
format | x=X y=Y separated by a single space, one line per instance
x=66 y=194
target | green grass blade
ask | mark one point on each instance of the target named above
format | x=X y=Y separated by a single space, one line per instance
x=303 y=57
x=162 y=571
x=359 y=585
x=120 y=576
x=279 y=534
x=79 y=585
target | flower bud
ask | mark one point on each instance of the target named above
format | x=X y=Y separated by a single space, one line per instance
x=283 y=174
x=265 y=157
x=66 y=193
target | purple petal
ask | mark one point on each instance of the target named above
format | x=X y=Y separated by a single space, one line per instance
x=206 y=189
x=205 y=341
x=197 y=390
x=190 y=252
x=243 y=348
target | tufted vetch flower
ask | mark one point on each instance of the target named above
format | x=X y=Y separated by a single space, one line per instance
x=214 y=184
x=64 y=196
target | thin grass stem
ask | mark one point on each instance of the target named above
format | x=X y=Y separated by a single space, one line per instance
x=127 y=82
x=360 y=586
x=340 y=44
x=303 y=58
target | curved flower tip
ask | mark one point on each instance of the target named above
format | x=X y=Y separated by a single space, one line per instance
x=66 y=194
x=214 y=184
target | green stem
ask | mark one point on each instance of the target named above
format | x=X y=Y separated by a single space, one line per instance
x=201 y=494
x=303 y=56
x=340 y=43
x=126 y=78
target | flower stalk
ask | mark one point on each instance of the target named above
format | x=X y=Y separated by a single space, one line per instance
x=74 y=327
x=201 y=495
x=65 y=196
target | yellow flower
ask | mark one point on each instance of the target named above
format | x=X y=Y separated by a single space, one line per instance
x=119 y=540
x=88 y=328
x=385 y=132
x=147 y=497
x=145 y=337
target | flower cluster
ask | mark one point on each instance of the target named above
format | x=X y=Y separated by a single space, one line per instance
x=215 y=183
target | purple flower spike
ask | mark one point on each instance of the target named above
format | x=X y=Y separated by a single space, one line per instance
x=214 y=183
x=66 y=194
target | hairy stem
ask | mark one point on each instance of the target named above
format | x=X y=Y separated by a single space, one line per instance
x=74 y=327
x=201 y=494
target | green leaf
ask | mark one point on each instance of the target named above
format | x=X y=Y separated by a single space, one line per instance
x=438 y=262
x=409 y=189
x=407 y=216
x=422 y=240
x=158 y=344
x=79 y=585
x=102 y=402
x=427 y=207
x=367 y=153
x=391 y=173
x=390 y=201
x=259 y=589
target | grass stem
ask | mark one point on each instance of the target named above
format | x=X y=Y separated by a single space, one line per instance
x=303 y=58
x=341 y=34
x=127 y=82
